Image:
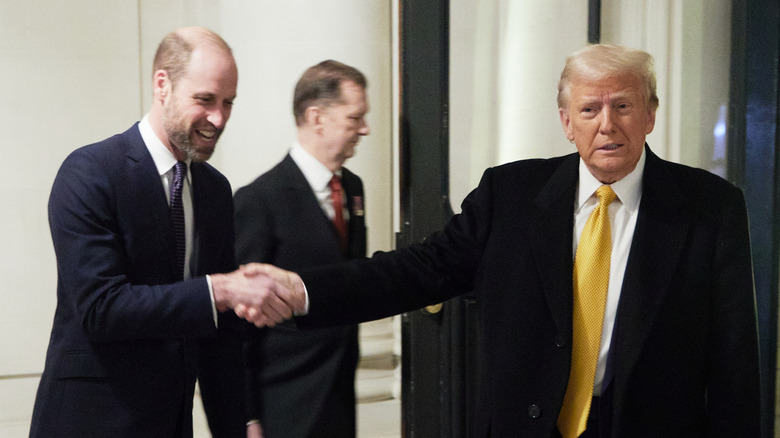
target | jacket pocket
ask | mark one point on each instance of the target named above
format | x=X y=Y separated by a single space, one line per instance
x=79 y=364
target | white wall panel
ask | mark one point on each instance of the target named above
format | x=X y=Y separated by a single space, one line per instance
x=18 y=396
x=507 y=56
x=68 y=77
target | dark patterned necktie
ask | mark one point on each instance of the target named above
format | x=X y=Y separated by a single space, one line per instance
x=177 y=212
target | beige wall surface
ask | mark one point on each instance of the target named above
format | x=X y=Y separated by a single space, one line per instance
x=506 y=57
x=68 y=76
x=76 y=72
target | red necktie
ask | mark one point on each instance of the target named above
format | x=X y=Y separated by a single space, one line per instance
x=337 y=196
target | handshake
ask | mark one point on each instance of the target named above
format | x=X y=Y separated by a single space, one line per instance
x=260 y=293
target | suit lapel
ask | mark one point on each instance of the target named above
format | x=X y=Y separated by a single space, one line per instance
x=655 y=250
x=357 y=225
x=299 y=192
x=202 y=215
x=147 y=188
x=551 y=240
x=297 y=187
x=354 y=197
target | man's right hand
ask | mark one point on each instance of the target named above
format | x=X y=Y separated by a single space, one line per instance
x=286 y=284
x=255 y=295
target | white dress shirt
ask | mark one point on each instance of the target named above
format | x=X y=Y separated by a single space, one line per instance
x=318 y=176
x=622 y=219
x=164 y=161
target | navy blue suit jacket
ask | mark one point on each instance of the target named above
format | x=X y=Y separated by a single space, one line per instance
x=129 y=335
x=684 y=357
x=280 y=221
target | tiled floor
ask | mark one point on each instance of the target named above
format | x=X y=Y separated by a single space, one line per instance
x=377 y=419
x=381 y=419
x=377 y=385
x=378 y=381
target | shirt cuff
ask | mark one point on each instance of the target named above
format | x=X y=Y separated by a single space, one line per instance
x=214 y=304
x=306 y=306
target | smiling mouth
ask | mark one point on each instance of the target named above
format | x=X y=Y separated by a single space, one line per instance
x=208 y=135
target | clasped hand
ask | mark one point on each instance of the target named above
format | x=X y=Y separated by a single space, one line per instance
x=260 y=293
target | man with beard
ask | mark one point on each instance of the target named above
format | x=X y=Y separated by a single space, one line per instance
x=143 y=234
x=307 y=211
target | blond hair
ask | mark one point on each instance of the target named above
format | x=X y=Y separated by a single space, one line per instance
x=597 y=61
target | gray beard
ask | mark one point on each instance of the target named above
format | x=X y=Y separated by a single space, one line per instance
x=181 y=140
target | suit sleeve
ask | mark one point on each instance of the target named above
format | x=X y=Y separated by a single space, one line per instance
x=733 y=396
x=220 y=361
x=440 y=267
x=93 y=264
x=221 y=380
x=253 y=244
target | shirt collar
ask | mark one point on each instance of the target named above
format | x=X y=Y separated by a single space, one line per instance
x=316 y=173
x=162 y=157
x=628 y=189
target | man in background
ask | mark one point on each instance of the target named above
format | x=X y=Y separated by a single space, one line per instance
x=307 y=211
x=138 y=222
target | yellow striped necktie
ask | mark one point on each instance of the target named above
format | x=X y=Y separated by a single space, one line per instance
x=591 y=280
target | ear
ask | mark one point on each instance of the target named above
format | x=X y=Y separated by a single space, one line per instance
x=313 y=116
x=566 y=122
x=650 y=122
x=161 y=85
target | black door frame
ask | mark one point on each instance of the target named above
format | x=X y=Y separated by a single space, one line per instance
x=432 y=358
x=753 y=163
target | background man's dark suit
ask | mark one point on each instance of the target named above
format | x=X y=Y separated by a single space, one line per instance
x=124 y=348
x=279 y=221
x=684 y=353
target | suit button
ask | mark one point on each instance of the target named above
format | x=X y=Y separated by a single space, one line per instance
x=534 y=411
x=559 y=342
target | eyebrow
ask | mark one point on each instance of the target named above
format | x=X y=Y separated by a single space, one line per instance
x=614 y=99
x=618 y=95
x=210 y=95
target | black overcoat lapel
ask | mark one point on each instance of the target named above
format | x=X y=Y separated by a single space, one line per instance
x=551 y=239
